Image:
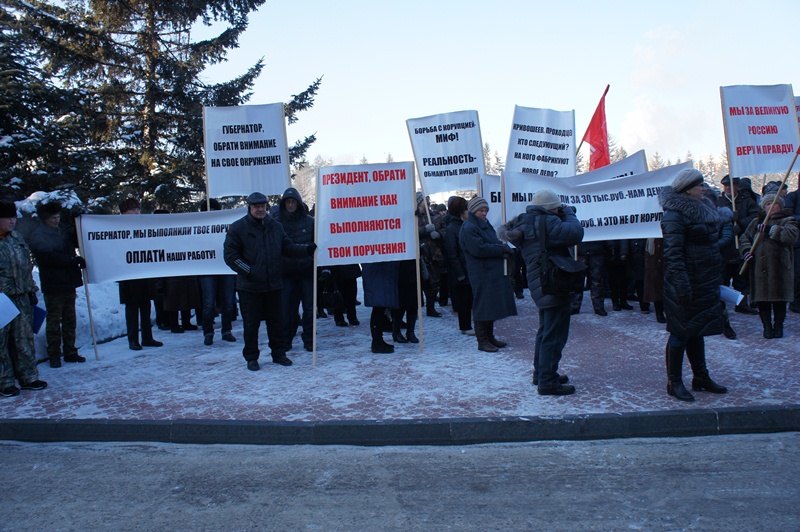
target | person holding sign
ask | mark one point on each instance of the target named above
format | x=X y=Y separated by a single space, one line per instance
x=253 y=249
x=691 y=227
x=771 y=262
x=16 y=283
x=485 y=254
x=562 y=231
x=744 y=210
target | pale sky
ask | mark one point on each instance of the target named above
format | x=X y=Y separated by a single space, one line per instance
x=385 y=61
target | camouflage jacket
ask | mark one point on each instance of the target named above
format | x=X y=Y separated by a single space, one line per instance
x=15 y=266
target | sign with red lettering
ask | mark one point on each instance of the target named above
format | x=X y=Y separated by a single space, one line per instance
x=448 y=151
x=365 y=213
x=761 y=132
x=246 y=150
x=542 y=142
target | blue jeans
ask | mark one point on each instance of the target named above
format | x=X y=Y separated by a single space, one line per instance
x=550 y=341
x=218 y=289
x=298 y=290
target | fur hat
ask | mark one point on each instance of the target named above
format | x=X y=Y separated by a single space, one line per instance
x=8 y=209
x=256 y=198
x=727 y=180
x=546 y=199
x=767 y=200
x=686 y=179
x=46 y=210
x=477 y=203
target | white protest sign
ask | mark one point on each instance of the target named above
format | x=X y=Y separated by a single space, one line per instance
x=120 y=247
x=633 y=165
x=246 y=150
x=542 y=142
x=448 y=151
x=365 y=213
x=621 y=208
x=491 y=191
x=8 y=310
x=761 y=130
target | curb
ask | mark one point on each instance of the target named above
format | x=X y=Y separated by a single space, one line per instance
x=680 y=423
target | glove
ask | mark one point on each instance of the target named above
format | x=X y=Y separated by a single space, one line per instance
x=435 y=235
x=761 y=228
x=774 y=232
x=747 y=256
x=570 y=209
x=311 y=248
x=507 y=252
x=685 y=301
x=32 y=297
x=80 y=262
x=429 y=228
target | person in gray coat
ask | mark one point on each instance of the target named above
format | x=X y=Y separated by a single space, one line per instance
x=563 y=231
x=492 y=294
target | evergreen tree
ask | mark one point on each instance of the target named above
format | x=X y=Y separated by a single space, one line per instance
x=493 y=163
x=140 y=63
x=618 y=154
x=656 y=162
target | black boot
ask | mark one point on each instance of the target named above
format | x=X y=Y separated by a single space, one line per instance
x=696 y=353
x=397 y=336
x=55 y=360
x=779 y=311
x=430 y=307
x=411 y=317
x=727 y=330
x=675 y=385
x=494 y=341
x=659 y=306
x=376 y=329
x=482 y=336
x=615 y=302
x=765 y=313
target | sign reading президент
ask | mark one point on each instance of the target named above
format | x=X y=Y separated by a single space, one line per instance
x=760 y=128
x=365 y=213
x=246 y=150
x=142 y=246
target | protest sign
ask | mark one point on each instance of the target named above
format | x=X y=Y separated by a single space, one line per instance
x=8 y=311
x=542 y=142
x=117 y=248
x=491 y=191
x=365 y=213
x=633 y=165
x=448 y=151
x=761 y=132
x=246 y=150
x=621 y=208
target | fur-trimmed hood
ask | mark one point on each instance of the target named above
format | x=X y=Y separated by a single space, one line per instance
x=698 y=210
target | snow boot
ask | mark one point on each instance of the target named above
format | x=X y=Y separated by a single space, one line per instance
x=411 y=317
x=765 y=313
x=779 y=311
x=397 y=336
x=675 y=387
x=482 y=335
x=696 y=353
x=494 y=341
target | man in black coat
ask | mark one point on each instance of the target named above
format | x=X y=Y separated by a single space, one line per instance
x=253 y=249
x=53 y=245
x=744 y=210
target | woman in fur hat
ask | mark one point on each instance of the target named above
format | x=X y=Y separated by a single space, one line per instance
x=692 y=263
x=771 y=263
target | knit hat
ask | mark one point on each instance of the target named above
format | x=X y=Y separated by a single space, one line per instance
x=256 y=198
x=420 y=198
x=546 y=199
x=46 y=210
x=8 y=209
x=686 y=179
x=477 y=203
x=767 y=200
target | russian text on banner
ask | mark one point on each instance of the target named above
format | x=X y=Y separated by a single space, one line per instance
x=119 y=247
x=761 y=132
x=246 y=150
x=365 y=213
x=542 y=142
x=448 y=150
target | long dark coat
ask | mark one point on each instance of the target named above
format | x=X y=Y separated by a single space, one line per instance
x=692 y=264
x=54 y=250
x=493 y=297
x=772 y=267
x=563 y=232
x=380 y=280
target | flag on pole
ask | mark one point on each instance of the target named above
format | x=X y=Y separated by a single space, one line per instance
x=596 y=136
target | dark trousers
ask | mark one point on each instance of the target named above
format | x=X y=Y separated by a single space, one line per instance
x=134 y=313
x=61 y=322
x=550 y=341
x=462 y=304
x=349 y=290
x=257 y=307
x=298 y=290
x=218 y=291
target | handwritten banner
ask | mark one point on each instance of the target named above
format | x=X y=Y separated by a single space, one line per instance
x=365 y=213
x=246 y=150
x=542 y=142
x=448 y=151
x=120 y=247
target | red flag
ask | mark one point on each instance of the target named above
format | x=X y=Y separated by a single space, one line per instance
x=596 y=136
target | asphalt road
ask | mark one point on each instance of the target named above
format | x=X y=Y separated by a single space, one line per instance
x=740 y=482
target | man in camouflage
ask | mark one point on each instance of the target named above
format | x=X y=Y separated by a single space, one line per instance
x=16 y=282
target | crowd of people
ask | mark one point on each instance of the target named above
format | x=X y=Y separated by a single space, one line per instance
x=709 y=238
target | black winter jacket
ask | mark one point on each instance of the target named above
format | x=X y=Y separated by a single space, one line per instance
x=54 y=250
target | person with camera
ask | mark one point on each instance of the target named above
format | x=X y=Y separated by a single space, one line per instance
x=562 y=231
